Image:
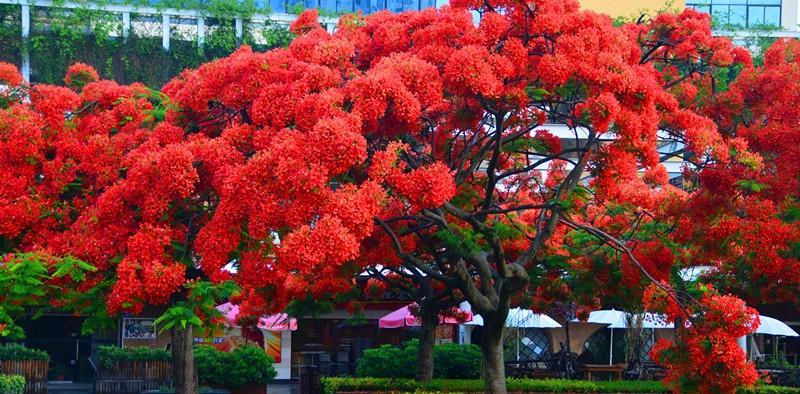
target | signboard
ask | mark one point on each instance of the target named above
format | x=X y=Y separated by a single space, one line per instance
x=272 y=343
x=138 y=329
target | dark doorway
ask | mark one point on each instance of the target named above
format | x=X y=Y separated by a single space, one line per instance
x=60 y=337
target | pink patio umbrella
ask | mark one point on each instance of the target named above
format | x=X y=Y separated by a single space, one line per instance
x=404 y=318
x=276 y=322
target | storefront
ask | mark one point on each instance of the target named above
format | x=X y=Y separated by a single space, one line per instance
x=70 y=351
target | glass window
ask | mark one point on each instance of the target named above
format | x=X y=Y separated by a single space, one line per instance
x=311 y=4
x=370 y=6
x=344 y=6
x=755 y=15
x=328 y=5
x=741 y=13
x=772 y=16
x=720 y=14
x=737 y=15
x=401 y=5
x=427 y=3
x=277 y=5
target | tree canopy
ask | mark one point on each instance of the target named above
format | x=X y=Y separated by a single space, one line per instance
x=518 y=160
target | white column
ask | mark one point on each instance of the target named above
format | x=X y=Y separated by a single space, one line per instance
x=201 y=30
x=742 y=342
x=26 y=34
x=126 y=24
x=790 y=15
x=165 y=31
x=239 y=28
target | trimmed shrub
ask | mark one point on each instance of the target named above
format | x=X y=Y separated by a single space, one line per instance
x=389 y=361
x=243 y=366
x=454 y=361
x=335 y=385
x=450 y=361
x=12 y=384
x=15 y=351
x=768 y=389
x=111 y=354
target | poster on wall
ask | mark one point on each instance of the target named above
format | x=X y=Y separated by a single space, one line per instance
x=272 y=343
x=138 y=329
x=225 y=340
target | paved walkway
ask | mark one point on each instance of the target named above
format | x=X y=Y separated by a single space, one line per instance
x=70 y=388
x=283 y=388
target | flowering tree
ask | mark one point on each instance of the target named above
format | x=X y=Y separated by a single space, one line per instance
x=417 y=141
x=150 y=202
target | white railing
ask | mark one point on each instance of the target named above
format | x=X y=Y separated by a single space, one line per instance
x=197 y=28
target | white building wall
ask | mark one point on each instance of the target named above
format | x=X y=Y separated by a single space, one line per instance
x=284 y=368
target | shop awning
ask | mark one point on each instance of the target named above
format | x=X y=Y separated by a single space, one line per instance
x=276 y=322
x=404 y=318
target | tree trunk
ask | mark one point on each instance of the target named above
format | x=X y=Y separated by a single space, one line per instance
x=494 y=371
x=567 y=350
x=635 y=339
x=427 y=337
x=183 y=368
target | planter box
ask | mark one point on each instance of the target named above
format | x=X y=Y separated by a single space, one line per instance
x=133 y=377
x=34 y=371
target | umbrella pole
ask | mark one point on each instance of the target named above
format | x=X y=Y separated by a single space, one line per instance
x=517 y=343
x=611 y=348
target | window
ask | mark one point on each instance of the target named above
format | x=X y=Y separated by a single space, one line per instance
x=277 y=5
x=344 y=6
x=740 y=13
x=402 y=5
x=534 y=344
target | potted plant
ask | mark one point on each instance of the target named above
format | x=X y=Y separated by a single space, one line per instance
x=245 y=370
x=58 y=372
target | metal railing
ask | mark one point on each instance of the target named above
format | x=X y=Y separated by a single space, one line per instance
x=196 y=21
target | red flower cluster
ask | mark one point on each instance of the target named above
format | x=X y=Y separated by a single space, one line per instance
x=79 y=74
x=706 y=357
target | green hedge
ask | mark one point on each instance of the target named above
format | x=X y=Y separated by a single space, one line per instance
x=15 y=351
x=244 y=365
x=12 y=384
x=334 y=385
x=111 y=354
x=450 y=361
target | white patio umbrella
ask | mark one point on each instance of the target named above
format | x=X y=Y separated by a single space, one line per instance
x=616 y=319
x=772 y=326
x=521 y=318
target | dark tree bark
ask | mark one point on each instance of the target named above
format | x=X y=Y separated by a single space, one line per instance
x=635 y=339
x=183 y=368
x=427 y=338
x=567 y=349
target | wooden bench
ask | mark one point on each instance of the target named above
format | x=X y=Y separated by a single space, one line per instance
x=530 y=369
x=615 y=369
